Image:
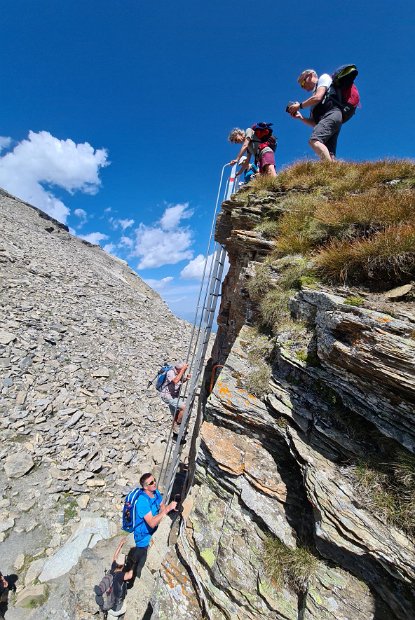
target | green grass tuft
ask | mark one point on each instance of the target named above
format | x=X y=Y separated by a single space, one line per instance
x=260 y=348
x=268 y=228
x=274 y=308
x=309 y=281
x=258 y=378
x=301 y=355
x=388 y=488
x=293 y=567
x=70 y=510
x=261 y=282
x=290 y=276
x=354 y=300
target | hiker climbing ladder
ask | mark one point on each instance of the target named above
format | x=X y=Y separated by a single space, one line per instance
x=199 y=340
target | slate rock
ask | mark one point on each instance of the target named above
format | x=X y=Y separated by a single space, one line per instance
x=34 y=571
x=88 y=533
x=101 y=372
x=18 y=464
x=6 y=337
x=32 y=596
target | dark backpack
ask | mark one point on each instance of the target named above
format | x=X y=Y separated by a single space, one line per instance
x=162 y=376
x=266 y=137
x=128 y=510
x=343 y=92
x=105 y=598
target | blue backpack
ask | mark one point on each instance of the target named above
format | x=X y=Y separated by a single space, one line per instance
x=161 y=376
x=128 y=510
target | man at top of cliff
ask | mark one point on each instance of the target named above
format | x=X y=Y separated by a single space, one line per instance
x=258 y=141
x=170 y=392
x=325 y=118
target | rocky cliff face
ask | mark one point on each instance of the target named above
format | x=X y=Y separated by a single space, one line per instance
x=80 y=337
x=302 y=505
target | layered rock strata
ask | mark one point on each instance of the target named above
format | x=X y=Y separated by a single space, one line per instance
x=342 y=385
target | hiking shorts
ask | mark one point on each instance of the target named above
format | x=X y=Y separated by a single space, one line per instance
x=267 y=158
x=173 y=403
x=327 y=129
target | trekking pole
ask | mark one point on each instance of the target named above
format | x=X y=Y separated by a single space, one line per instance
x=152 y=381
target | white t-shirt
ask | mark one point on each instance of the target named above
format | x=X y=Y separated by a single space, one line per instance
x=323 y=80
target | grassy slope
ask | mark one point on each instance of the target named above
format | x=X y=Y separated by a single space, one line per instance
x=354 y=222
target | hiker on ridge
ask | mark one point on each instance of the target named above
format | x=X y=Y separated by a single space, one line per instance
x=148 y=510
x=170 y=391
x=258 y=141
x=325 y=117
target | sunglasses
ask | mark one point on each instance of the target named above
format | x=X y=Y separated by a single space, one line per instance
x=151 y=482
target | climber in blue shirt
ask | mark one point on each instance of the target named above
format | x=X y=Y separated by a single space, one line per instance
x=149 y=510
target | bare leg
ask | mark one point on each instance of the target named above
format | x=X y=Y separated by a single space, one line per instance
x=320 y=150
x=269 y=170
x=179 y=415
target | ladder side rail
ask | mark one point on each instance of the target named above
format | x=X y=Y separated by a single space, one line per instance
x=201 y=335
x=198 y=365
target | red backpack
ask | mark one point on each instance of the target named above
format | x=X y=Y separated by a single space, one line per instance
x=264 y=136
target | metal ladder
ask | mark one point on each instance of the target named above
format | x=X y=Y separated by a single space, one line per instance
x=171 y=460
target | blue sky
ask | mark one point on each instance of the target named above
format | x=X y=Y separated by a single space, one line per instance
x=115 y=113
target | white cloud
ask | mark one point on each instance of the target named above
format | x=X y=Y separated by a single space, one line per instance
x=194 y=269
x=127 y=241
x=43 y=159
x=82 y=215
x=109 y=248
x=158 y=285
x=5 y=142
x=165 y=243
x=173 y=215
x=119 y=223
x=125 y=223
x=94 y=237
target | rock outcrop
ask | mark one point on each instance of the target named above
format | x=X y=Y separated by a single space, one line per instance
x=81 y=335
x=282 y=469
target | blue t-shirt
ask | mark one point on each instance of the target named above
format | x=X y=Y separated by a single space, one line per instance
x=145 y=504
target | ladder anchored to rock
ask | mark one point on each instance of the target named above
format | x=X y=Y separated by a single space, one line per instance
x=199 y=341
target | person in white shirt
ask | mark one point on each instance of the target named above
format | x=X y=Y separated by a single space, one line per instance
x=170 y=392
x=325 y=117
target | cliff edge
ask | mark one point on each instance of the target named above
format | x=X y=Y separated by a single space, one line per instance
x=304 y=482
